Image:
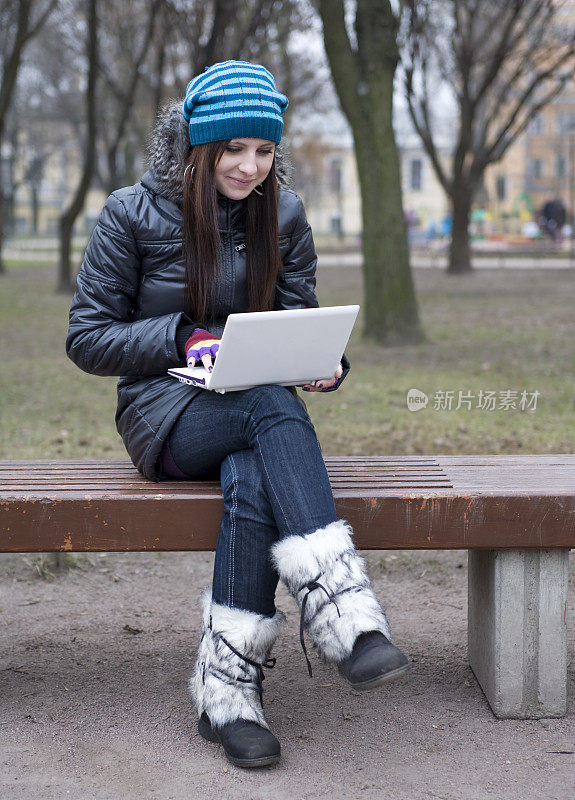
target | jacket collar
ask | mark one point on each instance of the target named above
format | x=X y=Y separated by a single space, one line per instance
x=168 y=153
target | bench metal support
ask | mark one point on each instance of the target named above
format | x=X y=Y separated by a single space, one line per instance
x=517 y=632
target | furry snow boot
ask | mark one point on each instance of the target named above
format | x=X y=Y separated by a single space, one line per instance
x=227 y=682
x=327 y=577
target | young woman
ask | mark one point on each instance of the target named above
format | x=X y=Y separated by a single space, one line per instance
x=209 y=231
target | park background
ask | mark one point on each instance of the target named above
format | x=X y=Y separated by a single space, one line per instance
x=90 y=79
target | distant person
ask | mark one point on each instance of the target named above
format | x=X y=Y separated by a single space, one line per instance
x=412 y=218
x=552 y=218
x=446 y=226
x=208 y=231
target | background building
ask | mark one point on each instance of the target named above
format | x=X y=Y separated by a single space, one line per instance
x=44 y=166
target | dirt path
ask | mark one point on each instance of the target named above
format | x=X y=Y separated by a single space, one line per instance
x=94 y=705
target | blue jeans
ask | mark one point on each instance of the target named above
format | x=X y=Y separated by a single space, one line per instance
x=273 y=477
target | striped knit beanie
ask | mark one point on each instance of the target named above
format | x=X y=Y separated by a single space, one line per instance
x=234 y=100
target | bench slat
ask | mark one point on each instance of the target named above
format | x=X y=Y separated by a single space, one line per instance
x=567 y=459
x=392 y=502
x=172 y=523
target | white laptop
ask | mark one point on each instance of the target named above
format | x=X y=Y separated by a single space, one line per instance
x=282 y=347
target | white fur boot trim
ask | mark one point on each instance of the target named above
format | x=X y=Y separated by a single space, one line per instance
x=224 y=685
x=328 y=556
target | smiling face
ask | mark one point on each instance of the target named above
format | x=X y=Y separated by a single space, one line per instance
x=244 y=164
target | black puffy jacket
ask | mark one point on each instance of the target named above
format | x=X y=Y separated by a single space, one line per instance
x=129 y=301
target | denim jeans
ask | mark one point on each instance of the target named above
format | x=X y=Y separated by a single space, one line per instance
x=273 y=478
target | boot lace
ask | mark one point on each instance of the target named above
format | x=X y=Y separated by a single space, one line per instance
x=311 y=586
x=269 y=663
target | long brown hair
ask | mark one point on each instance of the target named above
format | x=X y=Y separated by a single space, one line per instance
x=202 y=243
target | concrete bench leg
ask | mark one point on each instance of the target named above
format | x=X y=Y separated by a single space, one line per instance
x=517 y=632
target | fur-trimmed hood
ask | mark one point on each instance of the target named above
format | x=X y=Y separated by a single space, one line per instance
x=170 y=148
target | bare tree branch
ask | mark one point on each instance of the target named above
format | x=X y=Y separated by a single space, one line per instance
x=342 y=58
x=35 y=29
x=130 y=91
x=510 y=59
x=247 y=32
x=506 y=134
x=423 y=128
x=70 y=214
x=12 y=48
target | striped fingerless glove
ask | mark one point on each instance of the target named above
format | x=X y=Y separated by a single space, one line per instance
x=201 y=343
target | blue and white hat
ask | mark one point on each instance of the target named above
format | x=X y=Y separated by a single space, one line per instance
x=234 y=100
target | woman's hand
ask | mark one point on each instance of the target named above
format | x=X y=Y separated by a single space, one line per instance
x=325 y=383
x=202 y=345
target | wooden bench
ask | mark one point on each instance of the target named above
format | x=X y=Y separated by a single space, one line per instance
x=514 y=514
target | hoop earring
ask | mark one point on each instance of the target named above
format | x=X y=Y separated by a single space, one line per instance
x=186 y=171
x=261 y=191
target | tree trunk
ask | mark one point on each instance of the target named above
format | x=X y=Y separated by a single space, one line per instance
x=159 y=72
x=65 y=281
x=68 y=218
x=113 y=180
x=10 y=65
x=363 y=79
x=35 y=208
x=460 y=248
x=129 y=164
x=389 y=307
x=128 y=94
x=2 y=207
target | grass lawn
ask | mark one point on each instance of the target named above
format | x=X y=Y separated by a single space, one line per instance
x=495 y=330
